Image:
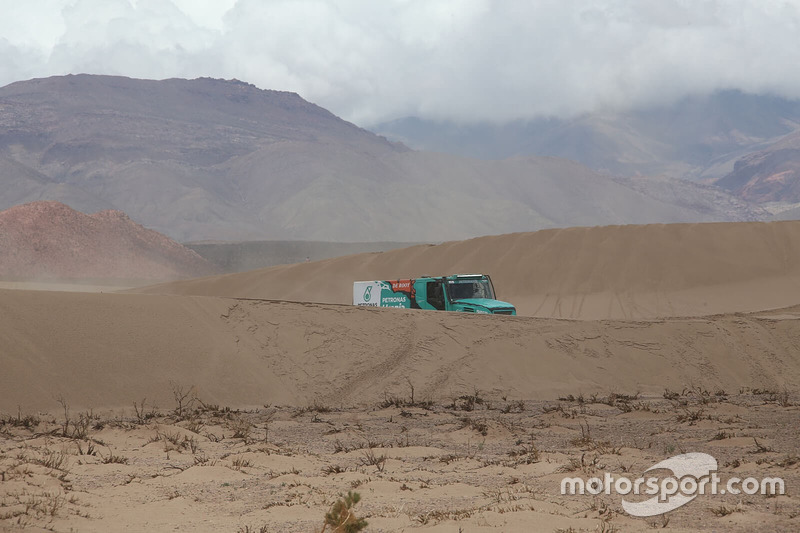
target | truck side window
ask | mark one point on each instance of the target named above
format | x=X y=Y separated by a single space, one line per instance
x=436 y=295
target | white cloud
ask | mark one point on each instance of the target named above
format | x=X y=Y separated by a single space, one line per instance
x=462 y=59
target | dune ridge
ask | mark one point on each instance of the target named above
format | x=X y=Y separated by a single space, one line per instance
x=112 y=349
x=617 y=272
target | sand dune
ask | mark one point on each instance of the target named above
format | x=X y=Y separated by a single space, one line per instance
x=614 y=272
x=112 y=349
x=315 y=377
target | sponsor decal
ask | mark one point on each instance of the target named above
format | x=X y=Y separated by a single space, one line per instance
x=401 y=285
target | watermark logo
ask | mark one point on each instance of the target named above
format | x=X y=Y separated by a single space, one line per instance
x=687 y=469
x=692 y=474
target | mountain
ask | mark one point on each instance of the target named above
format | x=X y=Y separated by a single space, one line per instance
x=770 y=175
x=170 y=153
x=213 y=159
x=700 y=136
x=49 y=240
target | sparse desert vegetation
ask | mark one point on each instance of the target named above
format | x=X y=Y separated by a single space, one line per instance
x=396 y=465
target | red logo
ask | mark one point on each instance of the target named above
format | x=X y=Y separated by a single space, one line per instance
x=401 y=285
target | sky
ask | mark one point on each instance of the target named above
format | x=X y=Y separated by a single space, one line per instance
x=370 y=61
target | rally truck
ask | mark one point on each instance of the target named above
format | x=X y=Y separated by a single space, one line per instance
x=468 y=293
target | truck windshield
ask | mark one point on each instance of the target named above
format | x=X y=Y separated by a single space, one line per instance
x=469 y=288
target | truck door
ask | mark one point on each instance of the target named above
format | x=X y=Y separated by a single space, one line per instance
x=436 y=295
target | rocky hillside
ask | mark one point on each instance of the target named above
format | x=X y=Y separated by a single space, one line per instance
x=770 y=175
x=49 y=240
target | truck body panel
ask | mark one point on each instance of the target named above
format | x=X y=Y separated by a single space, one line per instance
x=470 y=293
x=396 y=293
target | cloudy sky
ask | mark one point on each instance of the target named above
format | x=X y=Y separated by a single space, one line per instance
x=374 y=60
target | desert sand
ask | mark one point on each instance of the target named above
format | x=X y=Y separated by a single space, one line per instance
x=197 y=406
x=107 y=350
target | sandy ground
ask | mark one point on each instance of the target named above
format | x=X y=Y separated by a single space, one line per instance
x=474 y=463
x=193 y=407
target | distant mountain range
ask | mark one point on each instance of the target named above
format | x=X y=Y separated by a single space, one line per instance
x=740 y=141
x=215 y=159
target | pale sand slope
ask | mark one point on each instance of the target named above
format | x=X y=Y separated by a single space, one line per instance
x=109 y=350
x=588 y=273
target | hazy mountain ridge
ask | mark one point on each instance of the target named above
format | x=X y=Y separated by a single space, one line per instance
x=215 y=159
x=699 y=137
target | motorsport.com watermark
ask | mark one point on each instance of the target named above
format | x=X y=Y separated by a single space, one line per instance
x=693 y=474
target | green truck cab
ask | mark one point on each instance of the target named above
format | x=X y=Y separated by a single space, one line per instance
x=467 y=293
